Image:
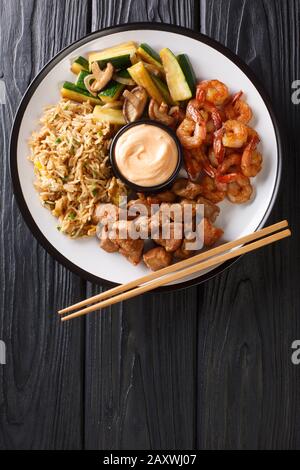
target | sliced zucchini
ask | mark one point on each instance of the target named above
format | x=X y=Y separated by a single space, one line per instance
x=188 y=71
x=143 y=78
x=124 y=74
x=120 y=62
x=135 y=58
x=178 y=86
x=105 y=56
x=112 y=92
x=80 y=79
x=80 y=64
x=72 y=92
x=113 y=116
x=164 y=90
x=150 y=55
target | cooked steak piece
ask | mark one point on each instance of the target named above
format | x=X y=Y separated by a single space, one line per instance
x=157 y=259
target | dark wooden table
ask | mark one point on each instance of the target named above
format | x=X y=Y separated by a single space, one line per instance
x=205 y=368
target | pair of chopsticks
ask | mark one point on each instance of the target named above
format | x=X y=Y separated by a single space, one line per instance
x=178 y=271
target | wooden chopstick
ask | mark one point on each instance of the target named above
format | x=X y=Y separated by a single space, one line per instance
x=178 y=275
x=176 y=267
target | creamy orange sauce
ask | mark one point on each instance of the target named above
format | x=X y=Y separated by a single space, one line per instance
x=146 y=155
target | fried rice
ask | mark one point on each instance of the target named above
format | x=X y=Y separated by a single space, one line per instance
x=71 y=164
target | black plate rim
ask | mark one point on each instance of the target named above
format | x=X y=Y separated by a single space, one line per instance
x=63 y=53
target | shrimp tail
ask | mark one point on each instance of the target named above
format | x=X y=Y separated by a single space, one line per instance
x=193 y=167
x=200 y=94
x=226 y=179
x=217 y=119
x=236 y=97
x=218 y=146
x=208 y=168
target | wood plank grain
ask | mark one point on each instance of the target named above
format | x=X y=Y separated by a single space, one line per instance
x=140 y=387
x=140 y=368
x=114 y=12
x=140 y=363
x=246 y=382
x=41 y=384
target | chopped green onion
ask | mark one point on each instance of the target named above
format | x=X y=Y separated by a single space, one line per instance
x=95 y=192
x=58 y=141
x=72 y=216
x=58 y=228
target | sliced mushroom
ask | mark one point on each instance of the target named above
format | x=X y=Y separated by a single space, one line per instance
x=87 y=83
x=160 y=113
x=135 y=103
x=101 y=78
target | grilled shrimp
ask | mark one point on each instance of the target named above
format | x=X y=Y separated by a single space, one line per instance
x=208 y=167
x=196 y=161
x=200 y=108
x=218 y=147
x=191 y=134
x=210 y=130
x=193 y=165
x=186 y=189
x=178 y=114
x=231 y=164
x=195 y=112
x=251 y=162
x=239 y=189
x=251 y=134
x=211 y=191
x=235 y=134
x=216 y=92
x=238 y=109
x=212 y=157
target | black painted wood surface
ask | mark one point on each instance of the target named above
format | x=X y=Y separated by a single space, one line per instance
x=205 y=368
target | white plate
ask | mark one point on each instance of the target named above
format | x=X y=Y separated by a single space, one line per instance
x=210 y=60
